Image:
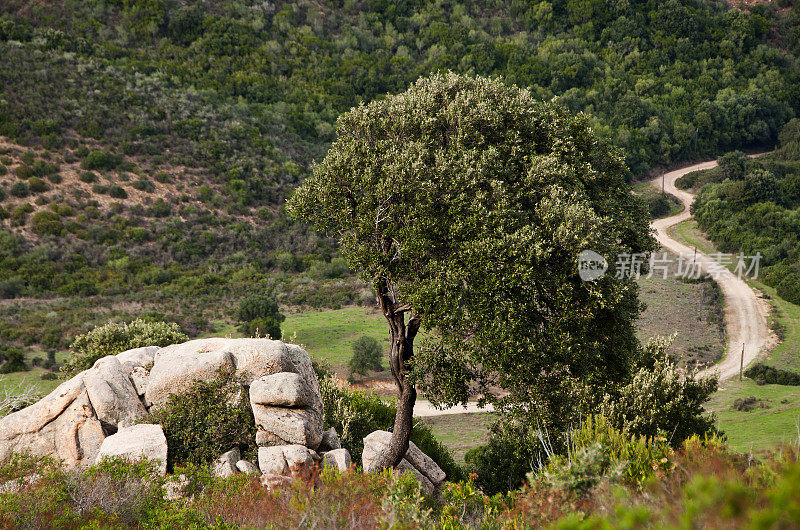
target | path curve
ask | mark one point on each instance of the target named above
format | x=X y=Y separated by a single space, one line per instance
x=745 y=316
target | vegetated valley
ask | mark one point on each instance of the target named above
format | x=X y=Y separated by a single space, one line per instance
x=147 y=151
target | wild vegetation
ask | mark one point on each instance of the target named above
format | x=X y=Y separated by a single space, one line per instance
x=149 y=161
x=608 y=481
x=752 y=206
x=147 y=149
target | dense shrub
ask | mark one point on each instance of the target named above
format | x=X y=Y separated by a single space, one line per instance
x=259 y=315
x=206 y=420
x=367 y=355
x=47 y=223
x=12 y=360
x=598 y=452
x=99 y=159
x=113 y=338
x=660 y=205
x=512 y=448
x=763 y=374
x=662 y=401
x=117 y=192
x=88 y=176
x=20 y=189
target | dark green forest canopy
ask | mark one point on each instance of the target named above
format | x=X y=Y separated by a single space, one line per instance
x=753 y=206
x=243 y=88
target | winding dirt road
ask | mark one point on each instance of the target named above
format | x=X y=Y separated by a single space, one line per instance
x=745 y=314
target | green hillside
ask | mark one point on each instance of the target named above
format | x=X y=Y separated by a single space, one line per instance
x=147 y=146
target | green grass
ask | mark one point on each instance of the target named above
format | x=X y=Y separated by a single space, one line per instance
x=689 y=233
x=760 y=428
x=650 y=194
x=686 y=309
x=786 y=316
x=329 y=334
x=30 y=378
x=461 y=432
x=785 y=355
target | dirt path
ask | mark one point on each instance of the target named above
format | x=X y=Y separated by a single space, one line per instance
x=745 y=316
x=423 y=409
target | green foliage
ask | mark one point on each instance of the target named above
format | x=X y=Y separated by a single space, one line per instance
x=99 y=159
x=769 y=375
x=117 y=192
x=513 y=448
x=259 y=315
x=660 y=400
x=88 y=177
x=113 y=338
x=367 y=355
x=47 y=223
x=356 y=414
x=751 y=206
x=20 y=189
x=208 y=419
x=475 y=238
x=12 y=360
x=598 y=452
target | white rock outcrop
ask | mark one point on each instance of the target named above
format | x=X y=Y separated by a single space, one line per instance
x=137 y=442
x=287 y=460
x=421 y=466
x=104 y=405
x=112 y=394
x=225 y=465
x=338 y=459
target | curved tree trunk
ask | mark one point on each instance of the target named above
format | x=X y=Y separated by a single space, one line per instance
x=400 y=353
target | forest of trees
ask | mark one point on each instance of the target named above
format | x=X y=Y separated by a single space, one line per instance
x=189 y=123
x=753 y=205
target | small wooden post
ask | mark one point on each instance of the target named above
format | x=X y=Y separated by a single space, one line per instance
x=741 y=363
x=694 y=258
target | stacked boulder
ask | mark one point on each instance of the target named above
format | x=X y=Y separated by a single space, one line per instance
x=421 y=466
x=103 y=411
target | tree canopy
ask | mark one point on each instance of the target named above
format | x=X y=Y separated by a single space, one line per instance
x=466 y=203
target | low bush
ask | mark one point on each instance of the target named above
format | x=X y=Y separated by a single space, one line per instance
x=88 y=176
x=206 y=420
x=597 y=452
x=12 y=360
x=20 y=189
x=117 y=192
x=144 y=185
x=38 y=185
x=701 y=485
x=47 y=223
x=367 y=355
x=259 y=315
x=513 y=448
x=113 y=338
x=763 y=374
x=99 y=159
x=661 y=400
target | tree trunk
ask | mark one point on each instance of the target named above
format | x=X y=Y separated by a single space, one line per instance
x=400 y=353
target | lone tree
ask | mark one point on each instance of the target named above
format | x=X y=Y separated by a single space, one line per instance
x=260 y=315
x=466 y=203
x=366 y=356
